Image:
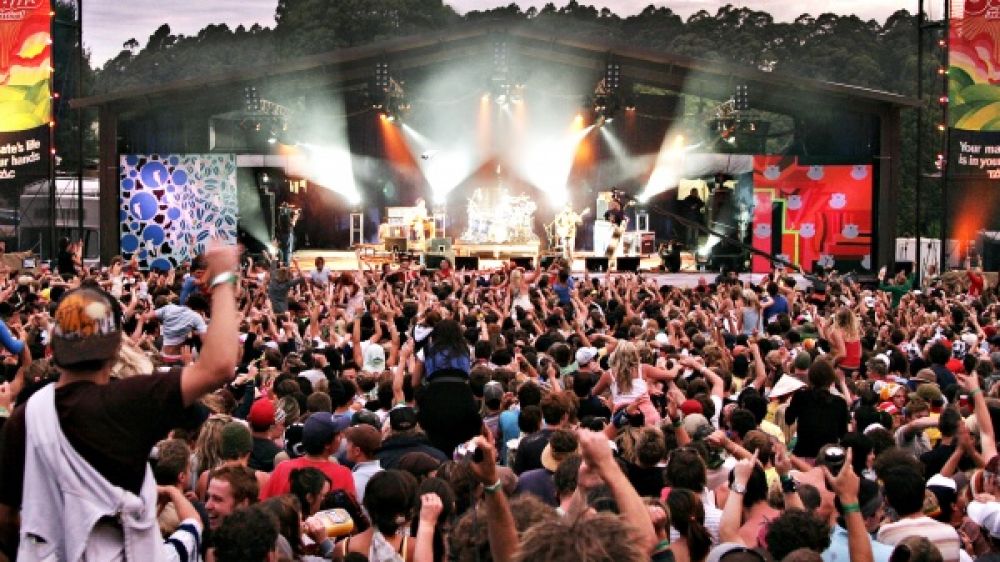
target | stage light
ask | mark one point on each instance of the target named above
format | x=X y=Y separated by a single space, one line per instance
x=271 y=140
x=668 y=168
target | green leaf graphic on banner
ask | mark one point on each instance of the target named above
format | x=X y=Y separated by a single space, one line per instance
x=975 y=120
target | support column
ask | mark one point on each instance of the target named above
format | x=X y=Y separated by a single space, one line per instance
x=108 y=178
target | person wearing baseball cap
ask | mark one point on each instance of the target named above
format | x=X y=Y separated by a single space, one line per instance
x=321 y=434
x=105 y=429
x=262 y=422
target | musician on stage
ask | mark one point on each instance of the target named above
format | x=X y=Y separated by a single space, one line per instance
x=288 y=217
x=616 y=209
x=565 y=228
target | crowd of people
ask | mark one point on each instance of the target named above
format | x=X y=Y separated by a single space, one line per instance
x=242 y=410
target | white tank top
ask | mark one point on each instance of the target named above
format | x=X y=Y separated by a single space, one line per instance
x=639 y=389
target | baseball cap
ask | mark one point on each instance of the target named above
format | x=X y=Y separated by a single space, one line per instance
x=86 y=328
x=261 y=414
x=293 y=440
x=320 y=428
x=986 y=515
x=691 y=406
x=585 y=355
x=697 y=426
x=553 y=456
x=236 y=440
x=366 y=417
x=402 y=418
x=365 y=437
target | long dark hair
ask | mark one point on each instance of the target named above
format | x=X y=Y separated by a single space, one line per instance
x=448 y=340
x=687 y=514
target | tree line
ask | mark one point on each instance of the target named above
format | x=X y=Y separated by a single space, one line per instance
x=830 y=47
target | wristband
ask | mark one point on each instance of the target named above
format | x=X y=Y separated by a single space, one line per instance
x=222 y=278
x=850 y=508
x=974 y=392
x=789 y=486
x=496 y=487
x=662 y=545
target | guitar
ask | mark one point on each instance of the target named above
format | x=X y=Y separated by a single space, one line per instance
x=566 y=222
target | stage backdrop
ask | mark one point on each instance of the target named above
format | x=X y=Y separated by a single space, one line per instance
x=974 y=118
x=25 y=106
x=172 y=204
x=812 y=214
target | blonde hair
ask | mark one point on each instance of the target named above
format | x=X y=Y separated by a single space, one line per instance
x=750 y=298
x=847 y=322
x=208 y=447
x=624 y=364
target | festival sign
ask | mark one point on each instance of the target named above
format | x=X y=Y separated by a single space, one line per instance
x=25 y=100
x=974 y=89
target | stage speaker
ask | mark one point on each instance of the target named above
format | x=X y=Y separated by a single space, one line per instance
x=440 y=245
x=596 y=265
x=467 y=263
x=528 y=263
x=898 y=266
x=545 y=262
x=433 y=261
x=628 y=263
x=397 y=245
x=991 y=255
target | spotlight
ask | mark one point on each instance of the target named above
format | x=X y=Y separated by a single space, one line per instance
x=271 y=140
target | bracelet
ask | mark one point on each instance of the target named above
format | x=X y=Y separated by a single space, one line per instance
x=975 y=392
x=850 y=508
x=222 y=278
x=662 y=545
x=495 y=487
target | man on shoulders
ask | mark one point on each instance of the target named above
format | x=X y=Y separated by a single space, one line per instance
x=105 y=429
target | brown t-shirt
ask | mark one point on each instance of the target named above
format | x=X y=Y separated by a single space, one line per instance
x=112 y=426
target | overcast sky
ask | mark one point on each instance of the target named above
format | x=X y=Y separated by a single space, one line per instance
x=108 y=24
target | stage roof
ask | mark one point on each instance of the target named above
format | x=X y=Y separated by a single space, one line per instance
x=780 y=93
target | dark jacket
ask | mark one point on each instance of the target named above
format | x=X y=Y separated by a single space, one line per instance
x=395 y=446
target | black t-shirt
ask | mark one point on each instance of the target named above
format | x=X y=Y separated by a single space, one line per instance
x=112 y=426
x=649 y=482
x=822 y=419
x=262 y=454
x=935 y=459
x=65 y=264
x=592 y=406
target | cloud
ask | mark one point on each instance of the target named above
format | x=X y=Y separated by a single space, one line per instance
x=106 y=25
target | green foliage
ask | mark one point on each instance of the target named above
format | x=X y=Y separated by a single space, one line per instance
x=843 y=49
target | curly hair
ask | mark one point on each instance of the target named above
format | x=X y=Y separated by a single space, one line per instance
x=246 y=535
x=795 y=529
x=581 y=539
x=469 y=541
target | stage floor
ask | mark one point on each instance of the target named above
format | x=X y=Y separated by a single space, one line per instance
x=689 y=276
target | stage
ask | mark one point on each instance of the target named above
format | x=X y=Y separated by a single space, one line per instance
x=689 y=276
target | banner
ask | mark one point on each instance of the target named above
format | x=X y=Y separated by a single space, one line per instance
x=25 y=102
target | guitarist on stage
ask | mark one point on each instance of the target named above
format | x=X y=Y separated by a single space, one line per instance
x=565 y=228
x=616 y=216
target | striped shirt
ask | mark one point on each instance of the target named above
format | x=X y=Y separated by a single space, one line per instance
x=943 y=536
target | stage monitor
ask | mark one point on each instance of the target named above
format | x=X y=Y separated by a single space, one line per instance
x=527 y=263
x=596 y=265
x=628 y=263
x=396 y=245
x=467 y=263
x=433 y=261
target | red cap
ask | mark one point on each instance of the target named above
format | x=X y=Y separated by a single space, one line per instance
x=261 y=414
x=955 y=365
x=691 y=407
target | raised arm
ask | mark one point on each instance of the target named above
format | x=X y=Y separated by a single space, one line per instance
x=217 y=363
x=986 y=437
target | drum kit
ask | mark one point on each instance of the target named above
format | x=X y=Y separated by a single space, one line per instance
x=496 y=217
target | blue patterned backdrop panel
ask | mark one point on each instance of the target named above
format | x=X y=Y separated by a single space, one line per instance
x=172 y=204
